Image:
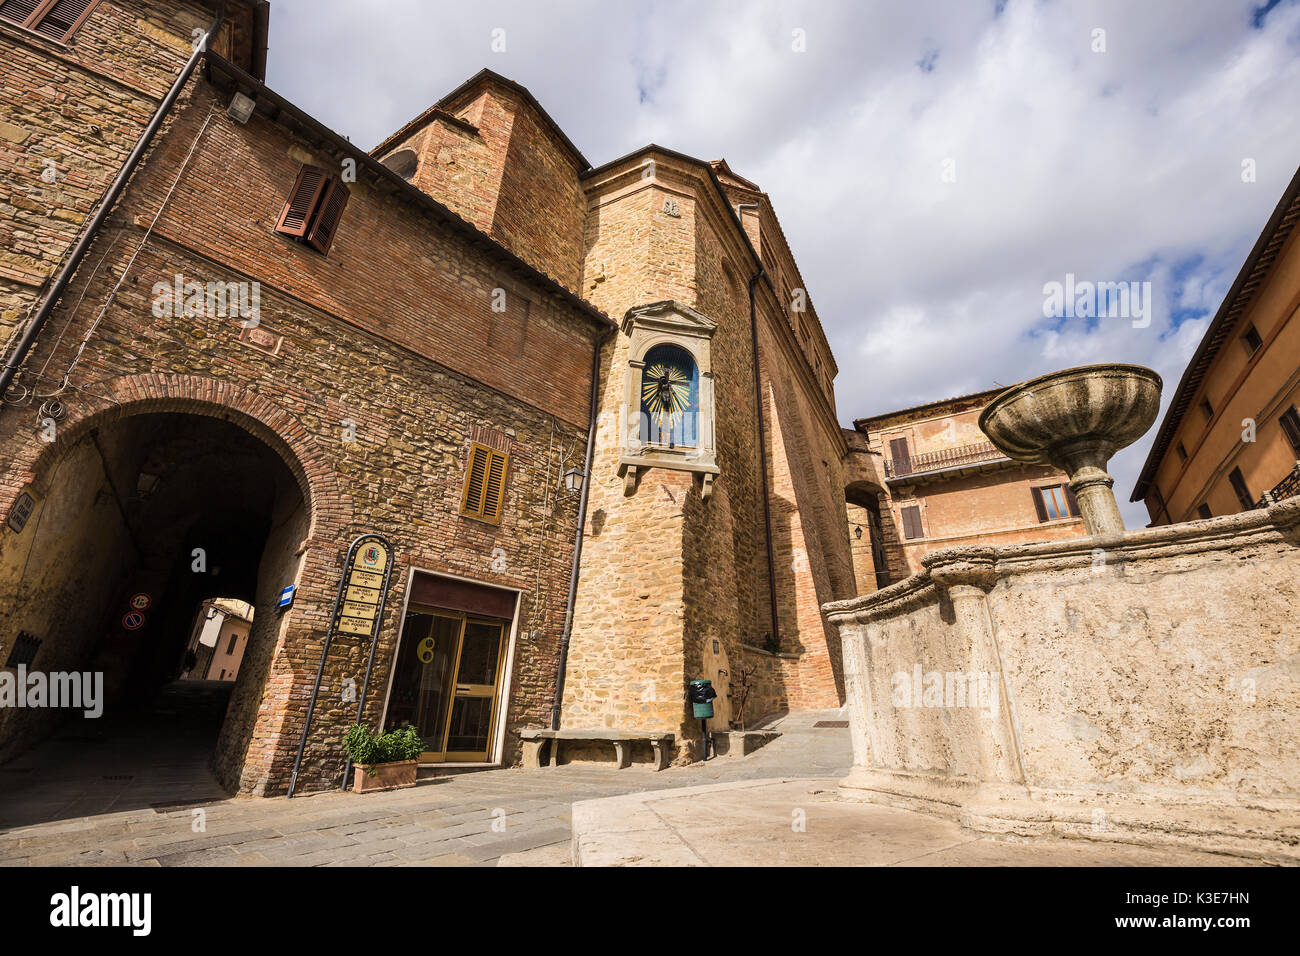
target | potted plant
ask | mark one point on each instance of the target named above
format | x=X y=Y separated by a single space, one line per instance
x=383 y=761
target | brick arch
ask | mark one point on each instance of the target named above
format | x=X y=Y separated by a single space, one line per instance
x=197 y=395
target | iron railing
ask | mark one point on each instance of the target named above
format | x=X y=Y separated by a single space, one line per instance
x=944 y=458
x=1288 y=487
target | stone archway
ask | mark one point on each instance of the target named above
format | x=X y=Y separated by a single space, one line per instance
x=126 y=501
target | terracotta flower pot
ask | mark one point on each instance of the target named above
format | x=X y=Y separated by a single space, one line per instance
x=385 y=776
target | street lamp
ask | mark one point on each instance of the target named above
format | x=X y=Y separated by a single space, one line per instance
x=573 y=480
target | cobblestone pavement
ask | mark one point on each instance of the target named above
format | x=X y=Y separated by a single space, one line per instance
x=61 y=806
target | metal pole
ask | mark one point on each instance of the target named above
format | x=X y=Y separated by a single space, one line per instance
x=320 y=669
x=374 y=641
x=577 y=538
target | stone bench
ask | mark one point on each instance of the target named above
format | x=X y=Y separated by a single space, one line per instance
x=535 y=741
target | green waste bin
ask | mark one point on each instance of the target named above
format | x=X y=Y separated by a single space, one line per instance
x=701 y=695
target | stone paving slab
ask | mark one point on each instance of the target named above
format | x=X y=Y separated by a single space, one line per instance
x=802 y=822
x=445 y=821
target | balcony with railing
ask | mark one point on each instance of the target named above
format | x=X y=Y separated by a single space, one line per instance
x=958 y=457
x=1288 y=487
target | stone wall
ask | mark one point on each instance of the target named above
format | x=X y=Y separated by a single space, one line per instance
x=71 y=114
x=1139 y=688
x=415 y=359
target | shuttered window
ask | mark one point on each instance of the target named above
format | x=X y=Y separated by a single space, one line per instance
x=1291 y=428
x=900 y=457
x=1238 y=482
x=485 y=484
x=912 y=522
x=314 y=209
x=1054 y=502
x=56 y=19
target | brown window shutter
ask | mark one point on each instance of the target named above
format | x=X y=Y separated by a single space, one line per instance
x=21 y=12
x=912 y=522
x=56 y=19
x=1071 y=500
x=1039 y=506
x=303 y=200
x=494 y=492
x=332 y=205
x=900 y=456
x=475 y=480
x=1291 y=428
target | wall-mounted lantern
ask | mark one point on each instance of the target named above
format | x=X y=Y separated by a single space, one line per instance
x=573 y=479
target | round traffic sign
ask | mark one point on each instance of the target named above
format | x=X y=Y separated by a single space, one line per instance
x=141 y=601
x=133 y=620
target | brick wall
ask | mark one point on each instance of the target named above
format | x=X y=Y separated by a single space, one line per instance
x=414 y=368
x=71 y=113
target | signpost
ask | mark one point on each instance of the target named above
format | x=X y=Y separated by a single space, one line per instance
x=358 y=610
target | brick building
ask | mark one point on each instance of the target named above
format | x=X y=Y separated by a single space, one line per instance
x=231 y=361
x=926 y=477
x=1230 y=438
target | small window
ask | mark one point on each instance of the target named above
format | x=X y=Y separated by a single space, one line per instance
x=314 y=209
x=23 y=650
x=234 y=638
x=55 y=19
x=1238 y=482
x=485 y=484
x=1182 y=452
x=1055 y=502
x=1203 y=511
x=1290 y=422
x=899 y=457
x=1207 y=409
x=1252 y=341
x=404 y=162
x=912 y=523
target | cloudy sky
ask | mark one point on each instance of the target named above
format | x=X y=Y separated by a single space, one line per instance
x=934 y=164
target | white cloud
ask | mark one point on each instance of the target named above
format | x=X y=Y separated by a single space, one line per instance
x=1117 y=165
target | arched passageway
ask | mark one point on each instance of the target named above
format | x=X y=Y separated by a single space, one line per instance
x=142 y=520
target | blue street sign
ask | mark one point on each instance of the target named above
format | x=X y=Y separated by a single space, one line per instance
x=286 y=598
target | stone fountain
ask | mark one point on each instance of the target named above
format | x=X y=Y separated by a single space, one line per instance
x=1076 y=420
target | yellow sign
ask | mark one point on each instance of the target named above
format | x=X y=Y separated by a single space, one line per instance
x=355 y=609
x=366 y=579
x=355 y=625
x=364 y=595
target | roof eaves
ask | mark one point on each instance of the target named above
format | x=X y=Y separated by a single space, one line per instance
x=1251 y=276
x=313 y=127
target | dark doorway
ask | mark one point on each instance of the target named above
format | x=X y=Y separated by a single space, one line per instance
x=145 y=520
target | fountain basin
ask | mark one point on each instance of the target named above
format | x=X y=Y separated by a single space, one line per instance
x=1076 y=420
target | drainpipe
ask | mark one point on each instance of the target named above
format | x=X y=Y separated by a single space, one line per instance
x=115 y=189
x=762 y=444
x=582 y=523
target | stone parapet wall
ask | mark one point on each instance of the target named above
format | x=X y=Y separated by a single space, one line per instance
x=1140 y=688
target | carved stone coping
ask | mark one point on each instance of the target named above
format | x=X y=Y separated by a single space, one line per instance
x=983 y=566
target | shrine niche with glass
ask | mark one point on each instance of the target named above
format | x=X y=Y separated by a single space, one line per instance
x=669 y=401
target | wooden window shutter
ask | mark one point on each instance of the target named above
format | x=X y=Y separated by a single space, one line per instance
x=1039 y=505
x=60 y=19
x=332 y=204
x=55 y=19
x=485 y=484
x=495 y=489
x=21 y=12
x=296 y=218
x=912 y=522
x=1071 y=500
x=900 y=456
x=1291 y=428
